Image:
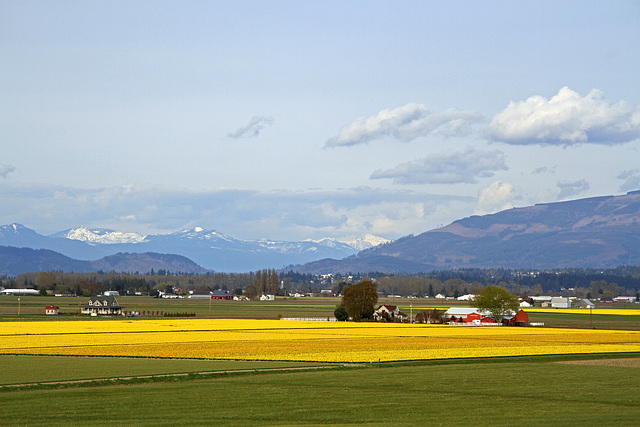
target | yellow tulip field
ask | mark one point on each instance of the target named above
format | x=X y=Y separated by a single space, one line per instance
x=300 y=341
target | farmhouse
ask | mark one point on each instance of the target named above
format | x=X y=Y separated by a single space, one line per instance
x=102 y=306
x=388 y=312
x=51 y=310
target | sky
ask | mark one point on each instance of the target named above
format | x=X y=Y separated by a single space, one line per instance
x=294 y=120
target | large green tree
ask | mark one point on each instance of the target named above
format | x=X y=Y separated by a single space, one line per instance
x=498 y=301
x=359 y=300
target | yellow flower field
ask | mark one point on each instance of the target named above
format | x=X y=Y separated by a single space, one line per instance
x=300 y=341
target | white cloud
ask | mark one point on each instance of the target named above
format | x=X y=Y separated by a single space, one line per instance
x=497 y=197
x=566 y=119
x=446 y=168
x=570 y=189
x=405 y=123
x=6 y=170
x=253 y=128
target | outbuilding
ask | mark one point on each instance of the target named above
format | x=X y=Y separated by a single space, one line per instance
x=560 y=302
x=51 y=310
x=221 y=295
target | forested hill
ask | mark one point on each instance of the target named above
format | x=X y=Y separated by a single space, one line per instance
x=14 y=261
x=600 y=232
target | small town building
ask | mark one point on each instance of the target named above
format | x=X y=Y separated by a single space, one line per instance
x=267 y=297
x=102 y=305
x=51 y=310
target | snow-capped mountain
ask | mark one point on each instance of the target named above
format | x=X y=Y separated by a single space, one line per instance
x=208 y=248
x=100 y=235
x=366 y=241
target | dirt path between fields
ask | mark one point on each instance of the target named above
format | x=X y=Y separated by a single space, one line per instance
x=182 y=374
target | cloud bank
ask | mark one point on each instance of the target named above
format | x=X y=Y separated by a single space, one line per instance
x=253 y=128
x=566 y=119
x=405 y=124
x=446 y=168
x=245 y=214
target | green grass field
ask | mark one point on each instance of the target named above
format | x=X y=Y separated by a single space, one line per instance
x=531 y=391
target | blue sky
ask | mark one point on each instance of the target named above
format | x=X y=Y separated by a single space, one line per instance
x=292 y=120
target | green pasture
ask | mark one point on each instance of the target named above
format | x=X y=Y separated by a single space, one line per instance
x=20 y=369
x=511 y=391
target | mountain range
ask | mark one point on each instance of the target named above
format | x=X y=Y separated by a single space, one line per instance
x=208 y=249
x=598 y=232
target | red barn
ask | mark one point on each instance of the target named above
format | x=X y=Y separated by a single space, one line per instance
x=520 y=319
x=221 y=295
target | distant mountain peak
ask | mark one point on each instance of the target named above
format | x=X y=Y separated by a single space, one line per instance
x=14 y=227
x=367 y=241
x=100 y=235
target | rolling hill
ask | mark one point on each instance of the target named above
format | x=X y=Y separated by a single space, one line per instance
x=600 y=232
